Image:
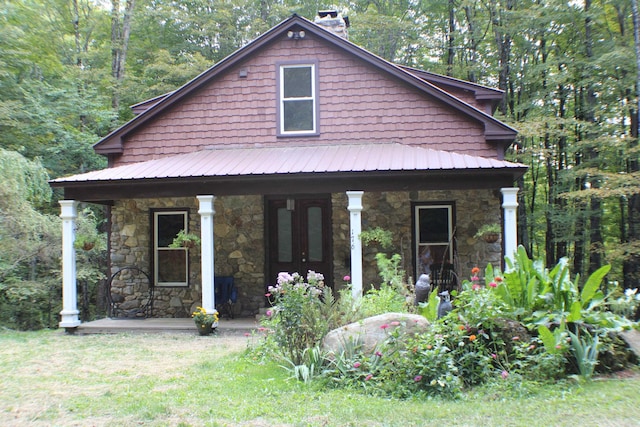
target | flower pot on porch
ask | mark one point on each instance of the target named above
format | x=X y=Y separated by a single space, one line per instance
x=204 y=329
x=207 y=329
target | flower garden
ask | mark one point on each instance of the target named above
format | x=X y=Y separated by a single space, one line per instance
x=529 y=323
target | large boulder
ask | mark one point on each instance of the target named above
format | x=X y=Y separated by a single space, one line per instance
x=372 y=331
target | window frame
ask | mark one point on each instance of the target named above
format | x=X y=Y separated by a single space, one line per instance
x=416 y=207
x=314 y=98
x=156 y=249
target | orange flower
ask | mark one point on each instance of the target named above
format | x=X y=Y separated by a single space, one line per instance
x=475 y=270
x=472 y=337
x=461 y=327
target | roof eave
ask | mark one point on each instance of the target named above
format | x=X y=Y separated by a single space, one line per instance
x=107 y=191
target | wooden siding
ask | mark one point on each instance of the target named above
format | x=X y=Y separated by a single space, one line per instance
x=358 y=103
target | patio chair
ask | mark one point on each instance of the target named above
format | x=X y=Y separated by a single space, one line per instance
x=226 y=294
x=139 y=286
x=443 y=277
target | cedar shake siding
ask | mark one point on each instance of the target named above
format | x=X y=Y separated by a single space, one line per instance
x=357 y=103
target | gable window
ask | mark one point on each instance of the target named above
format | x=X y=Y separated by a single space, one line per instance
x=170 y=265
x=433 y=239
x=297 y=104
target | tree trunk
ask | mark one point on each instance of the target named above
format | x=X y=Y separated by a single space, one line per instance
x=503 y=45
x=451 y=53
x=120 y=33
x=631 y=265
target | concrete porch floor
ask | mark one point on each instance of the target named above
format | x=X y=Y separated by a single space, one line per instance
x=237 y=326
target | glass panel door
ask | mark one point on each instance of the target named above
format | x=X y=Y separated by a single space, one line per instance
x=299 y=236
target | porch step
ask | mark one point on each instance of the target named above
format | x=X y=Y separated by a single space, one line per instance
x=237 y=326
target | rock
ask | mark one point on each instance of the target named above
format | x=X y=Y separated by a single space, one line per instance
x=372 y=331
x=632 y=338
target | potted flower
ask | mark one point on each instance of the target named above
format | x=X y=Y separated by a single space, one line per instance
x=205 y=322
x=185 y=240
x=489 y=233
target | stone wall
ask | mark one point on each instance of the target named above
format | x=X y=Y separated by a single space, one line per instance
x=239 y=252
x=240 y=249
x=392 y=211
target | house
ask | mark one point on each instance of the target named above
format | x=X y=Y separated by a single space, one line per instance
x=280 y=155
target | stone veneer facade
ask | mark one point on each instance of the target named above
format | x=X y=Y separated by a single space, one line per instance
x=240 y=250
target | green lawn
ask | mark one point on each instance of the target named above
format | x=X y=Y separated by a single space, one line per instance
x=52 y=379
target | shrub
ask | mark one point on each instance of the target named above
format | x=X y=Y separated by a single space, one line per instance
x=299 y=318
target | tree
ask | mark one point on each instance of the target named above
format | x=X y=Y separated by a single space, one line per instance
x=30 y=247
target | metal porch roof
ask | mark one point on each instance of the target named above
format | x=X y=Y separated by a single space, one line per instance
x=284 y=160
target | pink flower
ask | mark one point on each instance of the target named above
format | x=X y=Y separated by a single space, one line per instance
x=558 y=347
x=504 y=375
x=395 y=323
x=378 y=354
x=357 y=365
x=247 y=334
x=475 y=287
x=515 y=338
x=346 y=278
x=475 y=278
x=385 y=326
x=417 y=378
x=368 y=377
x=493 y=285
x=495 y=356
x=268 y=313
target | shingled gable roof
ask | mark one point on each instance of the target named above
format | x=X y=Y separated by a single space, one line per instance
x=495 y=130
x=481 y=92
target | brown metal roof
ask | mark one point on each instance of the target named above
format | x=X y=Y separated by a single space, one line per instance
x=283 y=160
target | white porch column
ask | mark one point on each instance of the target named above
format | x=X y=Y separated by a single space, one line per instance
x=355 y=209
x=206 y=212
x=69 y=313
x=509 y=205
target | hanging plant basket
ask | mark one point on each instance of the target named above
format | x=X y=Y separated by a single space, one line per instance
x=491 y=237
x=87 y=246
x=189 y=244
x=490 y=233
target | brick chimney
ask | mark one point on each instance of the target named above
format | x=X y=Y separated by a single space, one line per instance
x=332 y=21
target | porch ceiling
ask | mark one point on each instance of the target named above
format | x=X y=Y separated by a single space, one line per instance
x=287 y=170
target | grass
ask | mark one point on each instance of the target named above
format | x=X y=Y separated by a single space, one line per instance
x=51 y=379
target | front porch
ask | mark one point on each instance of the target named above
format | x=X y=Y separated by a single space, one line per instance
x=226 y=327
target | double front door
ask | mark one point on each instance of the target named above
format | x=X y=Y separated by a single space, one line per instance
x=299 y=236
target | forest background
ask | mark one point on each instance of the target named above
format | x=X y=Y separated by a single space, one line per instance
x=70 y=69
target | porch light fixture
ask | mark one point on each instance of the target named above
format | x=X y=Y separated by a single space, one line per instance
x=291 y=204
x=296 y=35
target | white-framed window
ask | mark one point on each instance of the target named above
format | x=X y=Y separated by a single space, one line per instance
x=170 y=265
x=297 y=100
x=433 y=237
